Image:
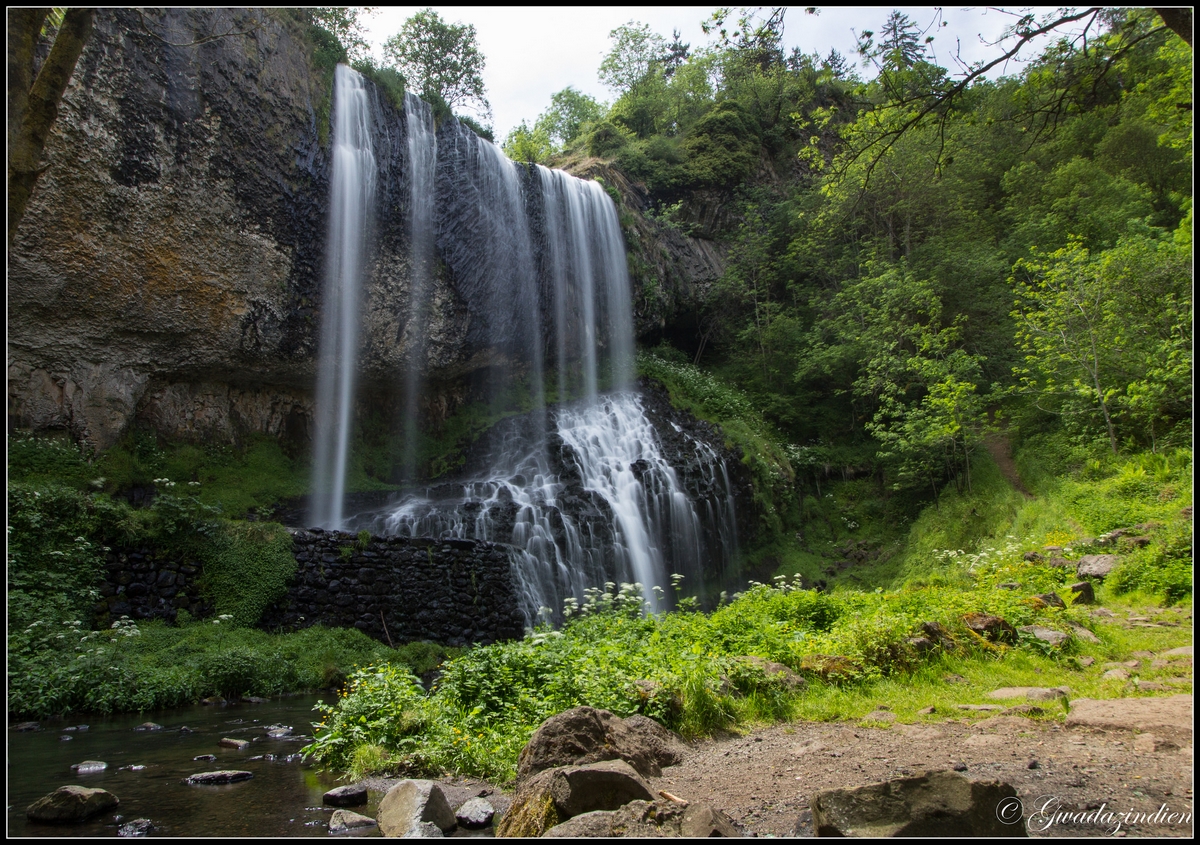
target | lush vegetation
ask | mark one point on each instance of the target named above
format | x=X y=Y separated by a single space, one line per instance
x=61 y=525
x=923 y=278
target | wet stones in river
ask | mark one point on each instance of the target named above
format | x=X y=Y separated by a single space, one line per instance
x=354 y=795
x=345 y=820
x=137 y=827
x=206 y=758
x=214 y=778
x=239 y=744
x=24 y=727
x=148 y=726
x=278 y=731
x=89 y=766
x=70 y=804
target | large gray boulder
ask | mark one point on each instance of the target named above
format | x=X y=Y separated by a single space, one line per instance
x=410 y=803
x=935 y=804
x=584 y=735
x=648 y=819
x=70 y=804
x=1096 y=566
x=555 y=795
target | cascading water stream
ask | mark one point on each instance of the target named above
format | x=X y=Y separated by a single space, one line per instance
x=352 y=192
x=583 y=494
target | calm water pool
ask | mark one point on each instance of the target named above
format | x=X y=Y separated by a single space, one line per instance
x=282 y=799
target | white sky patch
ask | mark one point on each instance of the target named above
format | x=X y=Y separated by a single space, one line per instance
x=532 y=52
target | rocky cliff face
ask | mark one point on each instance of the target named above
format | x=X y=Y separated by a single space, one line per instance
x=169 y=267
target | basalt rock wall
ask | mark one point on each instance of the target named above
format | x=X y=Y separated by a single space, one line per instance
x=393 y=589
x=169 y=267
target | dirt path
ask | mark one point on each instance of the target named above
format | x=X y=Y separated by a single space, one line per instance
x=764 y=780
x=1001 y=451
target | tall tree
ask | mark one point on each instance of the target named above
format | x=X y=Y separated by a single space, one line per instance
x=636 y=50
x=441 y=61
x=569 y=110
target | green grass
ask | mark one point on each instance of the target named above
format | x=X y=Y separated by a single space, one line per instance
x=150 y=666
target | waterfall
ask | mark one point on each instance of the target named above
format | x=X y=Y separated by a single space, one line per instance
x=352 y=191
x=581 y=491
x=422 y=173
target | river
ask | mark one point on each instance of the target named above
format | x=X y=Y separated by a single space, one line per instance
x=282 y=799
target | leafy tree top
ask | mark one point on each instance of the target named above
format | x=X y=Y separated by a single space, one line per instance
x=440 y=60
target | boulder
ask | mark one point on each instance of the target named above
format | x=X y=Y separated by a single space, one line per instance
x=1046 y=635
x=344 y=820
x=212 y=778
x=588 y=735
x=1096 y=566
x=70 y=804
x=354 y=795
x=648 y=819
x=27 y=726
x=424 y=830
x=1082 y=633
x=776 y=672
x=1083 y=593
x=933 y=804
x=991 y=628
x=555 y=795
x=1050 y=599
x=475 y=813
x=410 y=803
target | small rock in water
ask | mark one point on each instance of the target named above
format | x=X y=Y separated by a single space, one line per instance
x=70 y=728
x=88 y=766
x=65 y=738
x=344 y=820
x=186 y=730
x=82 y=727
x=137 y=827
x=208 y=778
x=278 y=732
x=148 y=726
x=254 y=699
x=71 y=804
x=27 y=726
x=207 y=758
x=233 y=743
x=214 y=700
x=354 y=795
x=133 y=768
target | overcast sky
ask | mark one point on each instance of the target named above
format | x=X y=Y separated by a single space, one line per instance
x=532 y=52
